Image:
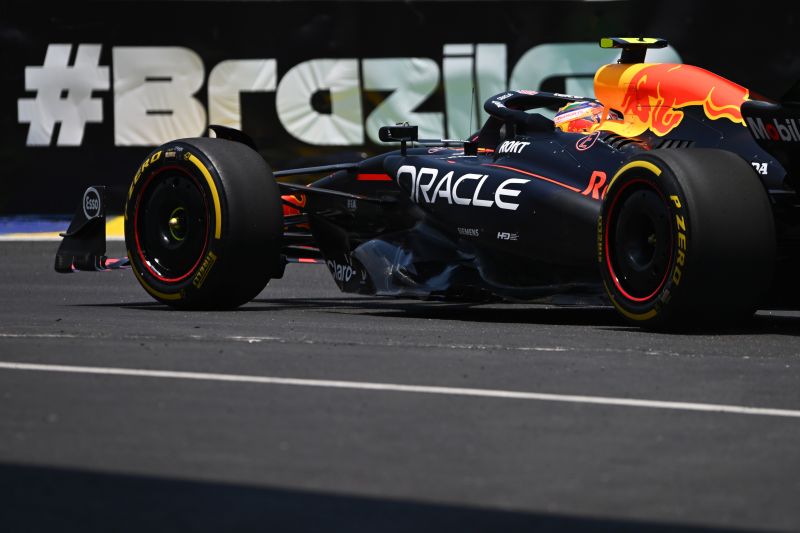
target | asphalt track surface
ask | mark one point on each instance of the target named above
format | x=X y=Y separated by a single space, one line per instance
x=402 y=416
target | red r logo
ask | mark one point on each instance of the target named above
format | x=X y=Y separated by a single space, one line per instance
x=597 y=180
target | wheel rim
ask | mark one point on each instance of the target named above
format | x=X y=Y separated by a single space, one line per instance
x=638 y=241
x=171 y=224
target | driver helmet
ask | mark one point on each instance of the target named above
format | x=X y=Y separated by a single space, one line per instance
x=579 y=117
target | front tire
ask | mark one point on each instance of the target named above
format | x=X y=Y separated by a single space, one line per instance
x=203 y=224
x=686 y=239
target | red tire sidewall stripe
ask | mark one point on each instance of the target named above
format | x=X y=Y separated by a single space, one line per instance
x=139 y=249
x=606 y=230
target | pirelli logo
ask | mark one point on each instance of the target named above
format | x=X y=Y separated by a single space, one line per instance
x=205 y=268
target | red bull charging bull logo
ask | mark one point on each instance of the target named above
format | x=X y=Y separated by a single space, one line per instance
x=651 y=96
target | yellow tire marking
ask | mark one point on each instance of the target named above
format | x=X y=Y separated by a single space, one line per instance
x=635 y=164
x=214 y=195
x=633 y=316
x=657 y=171
x=157 y=294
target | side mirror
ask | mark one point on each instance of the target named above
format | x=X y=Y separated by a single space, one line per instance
x=398 y=133
x=401 y=133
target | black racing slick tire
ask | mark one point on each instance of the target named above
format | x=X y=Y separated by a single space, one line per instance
x=203 y=224
x=686 y=239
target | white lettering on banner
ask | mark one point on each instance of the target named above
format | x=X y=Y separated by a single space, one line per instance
x=229 y=78
x=344 y=124
x=154 y=90
x=490 y=75
x=412 y=80
x=63 y=94
x=457 y=67
x=575 y=62
x=425 y=179
x=488 y=61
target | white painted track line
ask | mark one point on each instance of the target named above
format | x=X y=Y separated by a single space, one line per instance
x=418 y=389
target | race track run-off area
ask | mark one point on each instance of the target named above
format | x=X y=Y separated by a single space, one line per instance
x=308 y=409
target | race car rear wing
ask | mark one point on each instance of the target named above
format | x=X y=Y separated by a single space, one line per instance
x=776 y=128
x=634 y=49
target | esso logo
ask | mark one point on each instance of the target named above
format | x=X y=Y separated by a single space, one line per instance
x=91 y=203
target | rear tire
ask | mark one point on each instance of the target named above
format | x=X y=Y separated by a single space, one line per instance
x=203 y=224
x=686 y=239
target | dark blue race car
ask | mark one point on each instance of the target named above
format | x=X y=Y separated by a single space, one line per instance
x=671 y=195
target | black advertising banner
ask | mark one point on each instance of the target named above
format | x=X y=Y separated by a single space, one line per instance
x=89 y=89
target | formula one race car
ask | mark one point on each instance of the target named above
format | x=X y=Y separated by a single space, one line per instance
x=671 y=195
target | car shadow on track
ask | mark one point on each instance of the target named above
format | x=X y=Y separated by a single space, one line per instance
x=386 y=307
x=567 y=316
x=383 y=307
x=53 y=499
x=765 y=322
